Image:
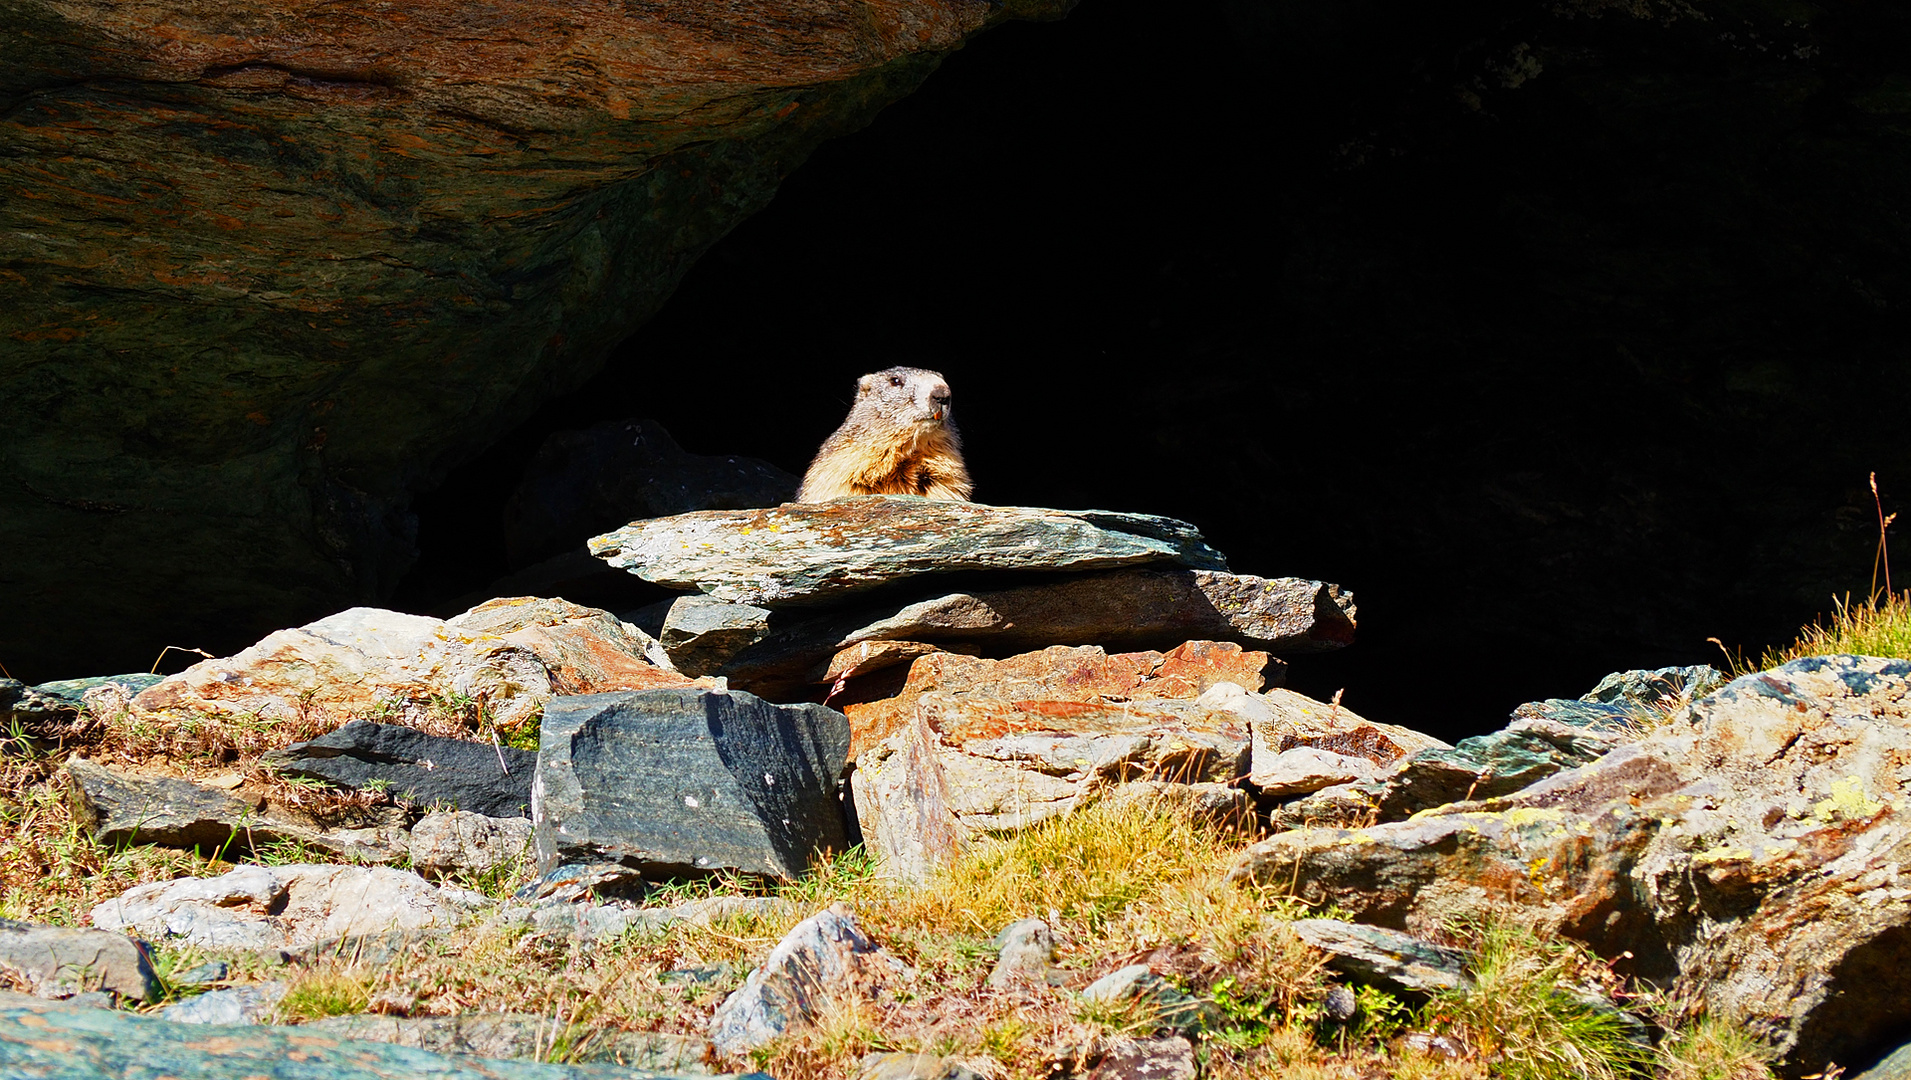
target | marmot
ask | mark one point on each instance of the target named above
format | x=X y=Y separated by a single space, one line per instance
x=898 y=440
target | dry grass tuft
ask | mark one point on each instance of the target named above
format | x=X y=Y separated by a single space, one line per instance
x=1878 y=627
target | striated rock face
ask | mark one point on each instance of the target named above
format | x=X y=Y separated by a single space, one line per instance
x=272 y=265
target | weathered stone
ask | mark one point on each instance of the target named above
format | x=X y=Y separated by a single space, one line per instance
x=518 y=1035
x=1170 y=1009
x=1752 y=847
x=825 y=958
x=897 y=1065
x=702 y=633
x=1305 y=770
x=120 y=808
x=814 y=553
x=1025 y=953
x=212 y=971
x=1392 y=960
x=57 y=961
x=1340 y=806
x=1224 y=805
x=250 y=1004
x=460 y=840
x=1168 y=1058
x=969 y=764
x=314 y=300
x=453 y=774
x=1133 y=609
x=109 y=697
x=575 y=882
x=588 y=921
x=55 y=1041
x=284 y=907
x=582 y=483
x=682 y=781
x=871 y=656
x=585 y=650
x=360 y=663
x=1088 y=674
x=51 y=701
x=1302 y=745
x=23 y=704
x=1893 y=1066
x=1543 y=738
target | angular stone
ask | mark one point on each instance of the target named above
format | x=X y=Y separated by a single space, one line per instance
x=1753 y=846
x=110 y=697
x=685 y=781
x=250 y=1004
x=1088 y=674
x=1389 y=959
x=1025 y=953
x=585 y=650
x=1302 y=745
x=1543 y=738
x=359 y=663
x=1133 y=609
x=453 y=774
x=284 y=907
x=581 y=483
x=55 y=1041
x=816 y=553
x=461 y=840
x=56 y=961
x=871 y=656
x=1306 y=769
x=825 y=958
x=119 y=808
x=1171 y=1009
x=1167 y=1058
x=701 y=633
x=611 y=920
x=519 y=1035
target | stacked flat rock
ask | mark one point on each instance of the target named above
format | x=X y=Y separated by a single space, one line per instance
x=783 y=594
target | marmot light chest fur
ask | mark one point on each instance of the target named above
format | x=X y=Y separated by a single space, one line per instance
x=898 y=440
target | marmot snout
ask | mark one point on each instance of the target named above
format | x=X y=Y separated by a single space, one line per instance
x=897 y=440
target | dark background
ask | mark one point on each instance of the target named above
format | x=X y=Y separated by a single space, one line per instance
x=1565 y=342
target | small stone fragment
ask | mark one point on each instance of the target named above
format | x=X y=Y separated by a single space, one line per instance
x=826 y=956
x=906 y=1066
x=234 y=1005
x=1170 y=1009
x=1026 y=953
x=456 y=840
x=1168 y=1058
x=1390 y=959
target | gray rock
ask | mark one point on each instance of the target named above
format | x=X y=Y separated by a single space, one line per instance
x=56 y=1041
x=210 y=972
x=1339 y=1004
x=574 y=882
x=897 y=1065
x=23 y=704
x=57 y=961
x=1168 y=1008
x=284 y=907
x=1342 y=806
x=701 y=634
x=119 y=808
x=234 y=1005
x=1026 y=953
x=1753 y=847
x=818 y=553
x=1389 y=959
x=825 y=957
x=93 y=999
x=454 y=840
x=1167 y=1058
x=612 y=919
x=519 y=1035
x=686 y=781
x=1895 y=1066
x=449 y=774
x=581 y=483
x=73 y=695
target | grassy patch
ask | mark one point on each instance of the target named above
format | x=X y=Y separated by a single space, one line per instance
x=1878 y=627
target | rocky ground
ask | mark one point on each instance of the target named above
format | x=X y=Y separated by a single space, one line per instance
x=911 y=789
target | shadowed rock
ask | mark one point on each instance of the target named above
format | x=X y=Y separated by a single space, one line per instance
x=450 y=774
x=683 y=781
x=805 y=554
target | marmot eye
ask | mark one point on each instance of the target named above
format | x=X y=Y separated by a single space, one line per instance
x=895 y=380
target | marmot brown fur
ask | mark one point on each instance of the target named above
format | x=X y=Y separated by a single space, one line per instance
x=898 y=440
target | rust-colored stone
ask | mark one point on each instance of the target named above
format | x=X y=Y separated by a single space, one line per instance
x=586 y=650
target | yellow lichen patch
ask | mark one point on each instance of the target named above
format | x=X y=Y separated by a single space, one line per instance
x=1722 y=853
x=1847 y=801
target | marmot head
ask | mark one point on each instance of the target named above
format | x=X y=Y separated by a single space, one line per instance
x=905 y=394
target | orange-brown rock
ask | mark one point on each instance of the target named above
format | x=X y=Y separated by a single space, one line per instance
x=586 y=650
x=1055 y=680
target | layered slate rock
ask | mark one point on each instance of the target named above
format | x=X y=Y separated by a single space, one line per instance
x=428 y=770
x=54 y=1041
x=284 y=907
x=1753 y=846
x=1543 y=738
x=119 y=808
x=683 y=781
x=58 y=961
x=807 y=554
x=981 y=746
x=320 y=256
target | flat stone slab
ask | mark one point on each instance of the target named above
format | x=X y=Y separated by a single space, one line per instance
x=683 y=781
x=59 y=961
x=816 y=553
x=451 y=774
x=53 y=1041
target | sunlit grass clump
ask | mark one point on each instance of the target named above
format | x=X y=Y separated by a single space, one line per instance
x=1878 y=627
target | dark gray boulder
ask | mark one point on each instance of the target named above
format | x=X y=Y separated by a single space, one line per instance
x=680 y=781
x=447 y=774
